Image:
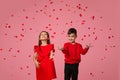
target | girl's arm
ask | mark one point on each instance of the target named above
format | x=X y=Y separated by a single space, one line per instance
x=51 y=54
x=35 y=59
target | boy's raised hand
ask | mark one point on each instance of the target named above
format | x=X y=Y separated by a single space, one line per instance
x=60 y=48
x=89 y=45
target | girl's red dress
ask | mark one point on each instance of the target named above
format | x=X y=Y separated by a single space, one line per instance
x=46 y=70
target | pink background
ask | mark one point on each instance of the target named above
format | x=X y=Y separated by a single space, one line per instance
x=96 y=21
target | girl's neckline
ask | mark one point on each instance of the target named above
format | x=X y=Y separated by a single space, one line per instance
x=44 y=45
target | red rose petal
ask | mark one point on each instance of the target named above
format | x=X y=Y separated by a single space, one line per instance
x=4 y=58
x=92 y=74
x=21 y=35
x=93 y=17
x=88 y=35
x=23 y=10
x=84 y=36
x=86 y=7
x=26 y=17
x=52 y=36
x=50 y=16
x=57 y=18
x=27 y=66
x=1 y=49
x=41 y=10
x=14 y=56
x=23 y=24
x=9 y=26
x=89 y=28
x=54 y=33
x=96 y=38
x=33 y=18
x=60 y=9
x=51 y=2
x=102 y=72
x=45 y=6
x=80 y=15
x=29 y=73
x=50 y=29
x=23 y=29
x=49 y=24
x=36 y=11
x=30 y=29
x=29 y=55
x=10 y=49
x=46 y=27
x=5 y=34
x=18 y=51
x=109 y=37
x=106 y=49
x=21 y=68
x=12 y=15
x=110 y=29
x=82 y=39
x=93 y=32
x=101 y=17
x=16 y=36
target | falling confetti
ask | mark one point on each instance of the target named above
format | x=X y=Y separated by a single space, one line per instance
x=56 y=17
x=1 y=49
x=10 y=49
x=29 y=73
x=4 y=58
x=92 y=74
x=96 y=38
x=18 y=51
x=93 y=17
x=21 y=68
x=80 y=15
x=12 y=15
x=26 y=17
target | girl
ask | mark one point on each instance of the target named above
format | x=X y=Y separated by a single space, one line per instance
x=43 y=58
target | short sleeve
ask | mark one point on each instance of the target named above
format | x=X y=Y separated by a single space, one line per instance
x=36 y=49
x=53 y=47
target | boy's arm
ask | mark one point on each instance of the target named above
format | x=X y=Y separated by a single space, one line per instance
x=64 y=49
x=84 y=51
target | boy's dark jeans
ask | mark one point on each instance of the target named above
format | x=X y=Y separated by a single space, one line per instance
x=71 y=70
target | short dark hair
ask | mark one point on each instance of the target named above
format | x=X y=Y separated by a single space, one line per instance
x=72 y=30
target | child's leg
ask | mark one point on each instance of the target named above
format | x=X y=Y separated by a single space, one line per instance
x=67 y=72
x=75 y=71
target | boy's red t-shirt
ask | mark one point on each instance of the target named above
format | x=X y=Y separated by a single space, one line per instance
x=72 y=52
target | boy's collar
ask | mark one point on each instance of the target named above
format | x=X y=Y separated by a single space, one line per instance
x=72 y=43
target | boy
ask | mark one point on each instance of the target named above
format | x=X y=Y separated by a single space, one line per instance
x=72 y=52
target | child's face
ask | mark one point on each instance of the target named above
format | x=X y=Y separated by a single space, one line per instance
x=43 y=36
x=72 y=37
